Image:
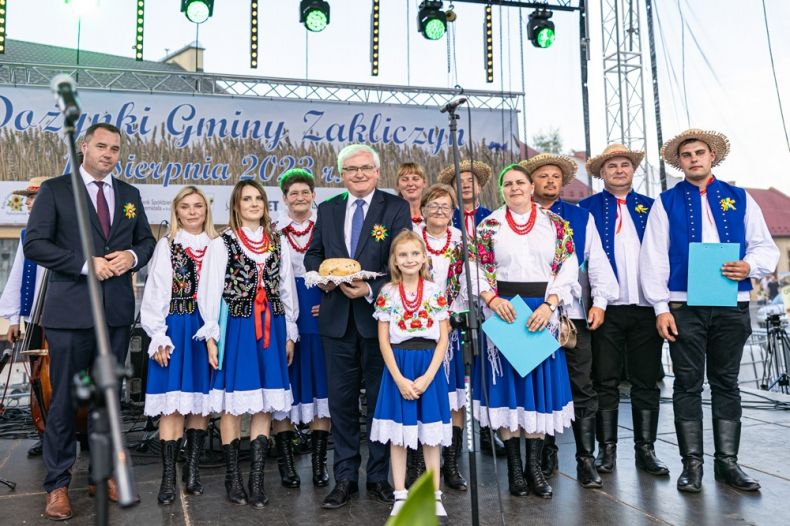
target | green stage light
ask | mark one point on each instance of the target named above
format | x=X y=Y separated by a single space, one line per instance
x=2 y=26
x=431 y=20
x=314 y=14
x=254 y=34
x=138 y=41
x=540 y=29
x=197 y=11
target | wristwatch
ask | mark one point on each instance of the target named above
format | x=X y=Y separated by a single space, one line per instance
x=551 y=306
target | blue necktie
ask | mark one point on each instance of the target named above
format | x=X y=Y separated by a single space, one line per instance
x=356 y=225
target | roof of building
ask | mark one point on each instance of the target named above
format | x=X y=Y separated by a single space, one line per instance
x=574 y=191
x=775 y=205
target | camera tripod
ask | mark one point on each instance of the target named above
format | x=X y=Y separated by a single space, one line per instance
x=777 y=357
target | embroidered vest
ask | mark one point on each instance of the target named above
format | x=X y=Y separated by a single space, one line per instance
x=683 y=205
x=577 y=217
x=183 y=293
x=27 y=291
x=241 y=278
x=603 y=207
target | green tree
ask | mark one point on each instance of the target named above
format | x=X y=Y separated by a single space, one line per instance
x=548 y=142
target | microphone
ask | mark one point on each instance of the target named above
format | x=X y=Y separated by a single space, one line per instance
x=65 y=90
x=450 y=106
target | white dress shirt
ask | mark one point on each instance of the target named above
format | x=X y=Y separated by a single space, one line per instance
x=762 y=255
x=10 y=301
x=626 y=256
x=603 y=282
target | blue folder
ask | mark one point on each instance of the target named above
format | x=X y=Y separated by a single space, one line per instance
x=524 y=350
x=707 y=286
x=223 y=332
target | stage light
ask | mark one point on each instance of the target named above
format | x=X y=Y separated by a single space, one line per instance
x=488 y=29
x=314 y=14
x=254 y=33
x=197 y=11
x=540 y=29
x=2 y=26
x=138 y=41
x=374 y=39
x=431 y=20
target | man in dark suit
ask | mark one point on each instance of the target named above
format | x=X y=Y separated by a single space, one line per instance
x=359 y=224
x=123 y=243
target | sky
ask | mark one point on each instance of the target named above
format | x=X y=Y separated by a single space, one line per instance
x=720 y=51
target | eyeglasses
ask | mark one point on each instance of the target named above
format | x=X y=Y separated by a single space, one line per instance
x=443 y=209
x=351 y=170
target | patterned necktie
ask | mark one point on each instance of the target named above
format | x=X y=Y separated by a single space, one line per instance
x=103 y=210
x=356 y=225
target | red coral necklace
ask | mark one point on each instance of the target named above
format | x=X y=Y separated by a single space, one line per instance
x=525 y=229
x=197 y=257
x=256 y=247
x=411 y=306
x=291 y=234
x=428 y=245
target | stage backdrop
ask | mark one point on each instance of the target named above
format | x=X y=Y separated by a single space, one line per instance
x=172 y=140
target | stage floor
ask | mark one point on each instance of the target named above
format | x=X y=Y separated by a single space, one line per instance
x=627 y=497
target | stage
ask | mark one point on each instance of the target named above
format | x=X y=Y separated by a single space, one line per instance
x=627 y=497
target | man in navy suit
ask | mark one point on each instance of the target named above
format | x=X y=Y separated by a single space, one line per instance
x=123 y=243
x=359 y=224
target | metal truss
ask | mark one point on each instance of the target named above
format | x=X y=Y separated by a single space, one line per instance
x=168 y=82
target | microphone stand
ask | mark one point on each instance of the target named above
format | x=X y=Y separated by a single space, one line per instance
x=108 y=450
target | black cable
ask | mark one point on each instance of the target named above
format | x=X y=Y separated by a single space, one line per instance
x=773 y=69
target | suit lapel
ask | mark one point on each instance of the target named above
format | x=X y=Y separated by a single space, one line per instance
x=117 y=216
x=89 y=204
x=371 y=218
x=340 y=221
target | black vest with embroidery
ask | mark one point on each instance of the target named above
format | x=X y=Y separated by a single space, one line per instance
x=241 y=278
x=183 y=293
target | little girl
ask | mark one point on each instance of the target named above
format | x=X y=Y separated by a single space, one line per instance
x=413 y=402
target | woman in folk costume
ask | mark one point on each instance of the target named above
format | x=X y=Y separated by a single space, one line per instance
x=178 y=374
x=247 y=298
x=410 y=184
x=525 y=250
x=308 y=369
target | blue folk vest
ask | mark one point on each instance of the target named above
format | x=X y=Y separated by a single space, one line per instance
x=28 y=289
x=480 y=214
x=578 y=218
x=603 y=207
x=684 y=211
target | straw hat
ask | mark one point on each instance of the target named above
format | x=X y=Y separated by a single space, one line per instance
x=563 y=162
x=32 y=187
x=717 y=142
x=481 y=170
x=613 y=150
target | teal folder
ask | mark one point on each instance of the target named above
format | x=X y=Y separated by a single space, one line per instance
x=524 y=350
x=223 y=332
x=707 y=286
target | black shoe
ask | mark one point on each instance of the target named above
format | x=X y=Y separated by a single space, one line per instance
x=727 y=438
x=285 y=461
x=381 y=491
x=548 y=460
x=606 y=423
x=36 y=449
x=234 y=487
x=167 y=489
x=515 y=473
x=486 y=447
x=340 y=495
x=191 y=468
x=319 y=441
x=690 y=444
x=584 y=434
x=453 y=477
x=415 y=465
x=532 y=471
x=645 y=428
x=259 y=448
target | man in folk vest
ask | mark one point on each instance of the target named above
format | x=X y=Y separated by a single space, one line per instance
x=702 y=208
x=628 y=335
x=549 y=173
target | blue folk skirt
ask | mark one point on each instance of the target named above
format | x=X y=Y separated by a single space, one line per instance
x=454 y=371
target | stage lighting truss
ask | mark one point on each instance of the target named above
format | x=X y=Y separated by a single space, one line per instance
x=197 y=11
x=253 y=34
x=2 y=25
x=431 y=20
x=138 y=33
x=374 y=38
x=540 y=29
x=314 y=14
x=488 y=31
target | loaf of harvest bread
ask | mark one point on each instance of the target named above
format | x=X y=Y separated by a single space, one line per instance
x=339 y=267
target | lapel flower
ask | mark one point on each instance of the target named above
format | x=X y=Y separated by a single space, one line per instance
x=379 y=232
x=129 y=211
x=728 y=203
x=641 y=209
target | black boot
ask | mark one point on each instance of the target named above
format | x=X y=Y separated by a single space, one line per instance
x=690 y=443
x=497 y=448
x=285 y=461
x=191 y=468
x=533 y=472
x=548 y=459
x=167 y=489
x=234 y=486
x=415 y=465
x=452 y=477
x=319 y=441
x=645 y=427
x=727 y=438
x=515 y=474
x=584 y=433
x=258 y=451
x=606 y=423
